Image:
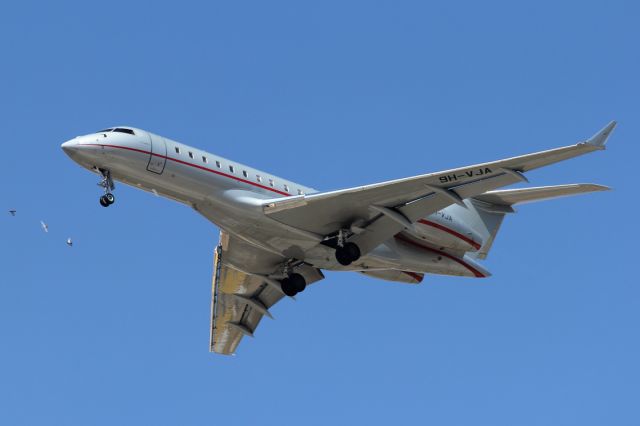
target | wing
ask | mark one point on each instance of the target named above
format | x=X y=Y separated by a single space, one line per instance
x=244 y=289
x=384 y=209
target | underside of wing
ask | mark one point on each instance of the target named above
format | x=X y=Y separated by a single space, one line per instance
x=240 y=297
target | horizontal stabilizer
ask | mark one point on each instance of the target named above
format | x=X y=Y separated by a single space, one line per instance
x=510 y=197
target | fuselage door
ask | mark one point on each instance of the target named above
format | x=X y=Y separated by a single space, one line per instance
x=158 y=157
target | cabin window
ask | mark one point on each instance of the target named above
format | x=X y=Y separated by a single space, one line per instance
x=204 y=159
x=271 y=182
x=259 y=178
x=286 y=187
x=177 y=150
x=218 y=164
x=300 y=191
x=231 y=169
x=190 y=154
x=245 y=174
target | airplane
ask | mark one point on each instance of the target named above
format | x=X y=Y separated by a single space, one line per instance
x=69 y=242
x=45 y=227
x=12 y=212
x=277 y=236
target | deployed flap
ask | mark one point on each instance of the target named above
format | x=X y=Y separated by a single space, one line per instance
x=242 y=291
x=510 y=197
x=418 y=196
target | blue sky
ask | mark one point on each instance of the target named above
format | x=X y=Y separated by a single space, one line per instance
x=330 y=94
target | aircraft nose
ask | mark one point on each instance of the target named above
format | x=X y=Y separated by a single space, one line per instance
x=69 y=146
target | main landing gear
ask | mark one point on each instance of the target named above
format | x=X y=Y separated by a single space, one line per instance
x=107 y=184
x=293 y=284
x=346 y=252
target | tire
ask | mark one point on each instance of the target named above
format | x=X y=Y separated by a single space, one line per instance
x=110 y=198
x=343 y=257
x=353 y=251
x=104 y=202
x=298 y=282
x=347 y=254
x=288 y=287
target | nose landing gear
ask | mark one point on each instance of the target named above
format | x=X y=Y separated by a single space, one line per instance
x=107 y=184
x=107 y=199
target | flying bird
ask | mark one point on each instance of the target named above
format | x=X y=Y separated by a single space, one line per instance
x=45 y=227
x=13 y=212
x=69 y=242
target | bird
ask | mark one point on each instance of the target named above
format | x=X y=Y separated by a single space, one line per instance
x=69 y=242
x=45 y=227
x=13 y=212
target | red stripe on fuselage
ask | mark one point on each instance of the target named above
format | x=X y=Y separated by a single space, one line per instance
x=192 y=165
x=450 y=231
x=473 y=270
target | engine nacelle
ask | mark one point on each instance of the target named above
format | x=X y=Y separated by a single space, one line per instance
x=441 y=229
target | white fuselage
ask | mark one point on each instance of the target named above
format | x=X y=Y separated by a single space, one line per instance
x=232 y=196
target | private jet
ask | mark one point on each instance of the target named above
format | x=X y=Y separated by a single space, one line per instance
x=277 y=236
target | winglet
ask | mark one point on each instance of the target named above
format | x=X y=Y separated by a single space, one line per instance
x=600 y=138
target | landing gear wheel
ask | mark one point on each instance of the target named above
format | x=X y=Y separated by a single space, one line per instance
x=342 y=257
x=347 y=254
x=288 y=287
x=106 y=182
x=298 y=282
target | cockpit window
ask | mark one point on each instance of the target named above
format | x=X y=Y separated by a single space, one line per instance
x=122 y=130
x=105 y=131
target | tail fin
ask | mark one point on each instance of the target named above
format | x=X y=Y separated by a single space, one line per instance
x=491 y=207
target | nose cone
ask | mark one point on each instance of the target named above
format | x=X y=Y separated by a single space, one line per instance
x=83 y=151
x=69 y=146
